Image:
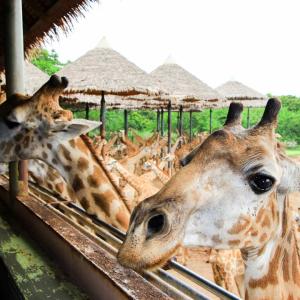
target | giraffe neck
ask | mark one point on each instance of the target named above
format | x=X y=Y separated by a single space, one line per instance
x=92 y=184
x=273 y=271
x=160 y=174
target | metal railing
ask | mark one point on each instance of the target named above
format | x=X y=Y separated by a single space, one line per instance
x=110 y=238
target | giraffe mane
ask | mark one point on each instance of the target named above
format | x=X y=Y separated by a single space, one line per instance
x=88 y=142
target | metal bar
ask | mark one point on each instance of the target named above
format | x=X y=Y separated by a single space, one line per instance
x=87 y=111
x=248 y=117
x=126 y=122
x=102 y=116
x=158 y=120
x=191 y=125
x=169 y=131
x=210 y=120
x=181 y=285
x=162 y=122
x=210 y=286
x=14 y=73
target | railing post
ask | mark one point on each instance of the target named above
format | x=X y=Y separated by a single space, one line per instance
x=14 y=73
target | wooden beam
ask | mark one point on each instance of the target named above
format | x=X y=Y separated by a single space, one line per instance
x=87 y=111
x=102 y=116
x=169 y=131
x=14 y=73
x=158 y=120
x=248 y=117
x=126 y=122
x=191 y=125
x=210 y=120
x=162 y=122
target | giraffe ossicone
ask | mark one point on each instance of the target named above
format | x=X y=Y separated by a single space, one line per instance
x=232 y=193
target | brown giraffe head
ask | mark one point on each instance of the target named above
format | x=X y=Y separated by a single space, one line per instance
x=224 y=197
x=27 y=123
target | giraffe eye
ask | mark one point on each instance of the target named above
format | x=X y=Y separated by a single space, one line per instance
x=155 y=225
x=261 y=183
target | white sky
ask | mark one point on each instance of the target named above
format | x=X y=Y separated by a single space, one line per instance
x=256 y=42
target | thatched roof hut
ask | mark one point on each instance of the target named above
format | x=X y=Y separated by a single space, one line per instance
x=184 y=86
x=103 y=69
x=236 y=91
x=42 y=18
x=34 y=78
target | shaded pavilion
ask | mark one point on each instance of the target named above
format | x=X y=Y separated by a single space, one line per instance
x=192 y=93
x=237 y=91
x=34 y=78
x=103 y=72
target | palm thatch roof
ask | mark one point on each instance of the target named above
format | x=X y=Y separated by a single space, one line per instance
x=237 y=91
x=184 y=86
x=103 y=69
x=79 y=101
x=34 y=78
x=42 y=19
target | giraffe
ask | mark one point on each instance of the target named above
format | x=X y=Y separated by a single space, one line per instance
x=79 y=167
x=26 y=121
x=232 y=193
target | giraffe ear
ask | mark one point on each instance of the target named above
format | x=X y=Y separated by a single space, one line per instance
x=19 y=115
x=63 y=131
x=290 y=179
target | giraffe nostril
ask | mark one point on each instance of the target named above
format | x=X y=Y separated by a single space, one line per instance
x=155 y=225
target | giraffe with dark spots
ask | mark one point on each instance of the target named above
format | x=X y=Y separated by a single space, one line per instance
x=27 y=123
x=76 y=165
x=235 y=174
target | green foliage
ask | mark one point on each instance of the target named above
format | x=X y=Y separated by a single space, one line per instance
x=144 y=122
x=47 y=61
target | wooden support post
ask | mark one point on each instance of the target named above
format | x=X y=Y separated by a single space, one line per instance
x=87 y=111
x=191 y=126
x=102 y=116
x=169 y=132
x=158 y=120
x=248 y=117
x=162 y=127
x=14 y=73
x=210 y=120
x=126 y=122
x=180 y=129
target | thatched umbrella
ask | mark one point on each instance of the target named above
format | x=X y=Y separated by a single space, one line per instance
x=42 y=18
x=237 y=91
x=104 y=71
x=185 y=87
x=34 y=78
